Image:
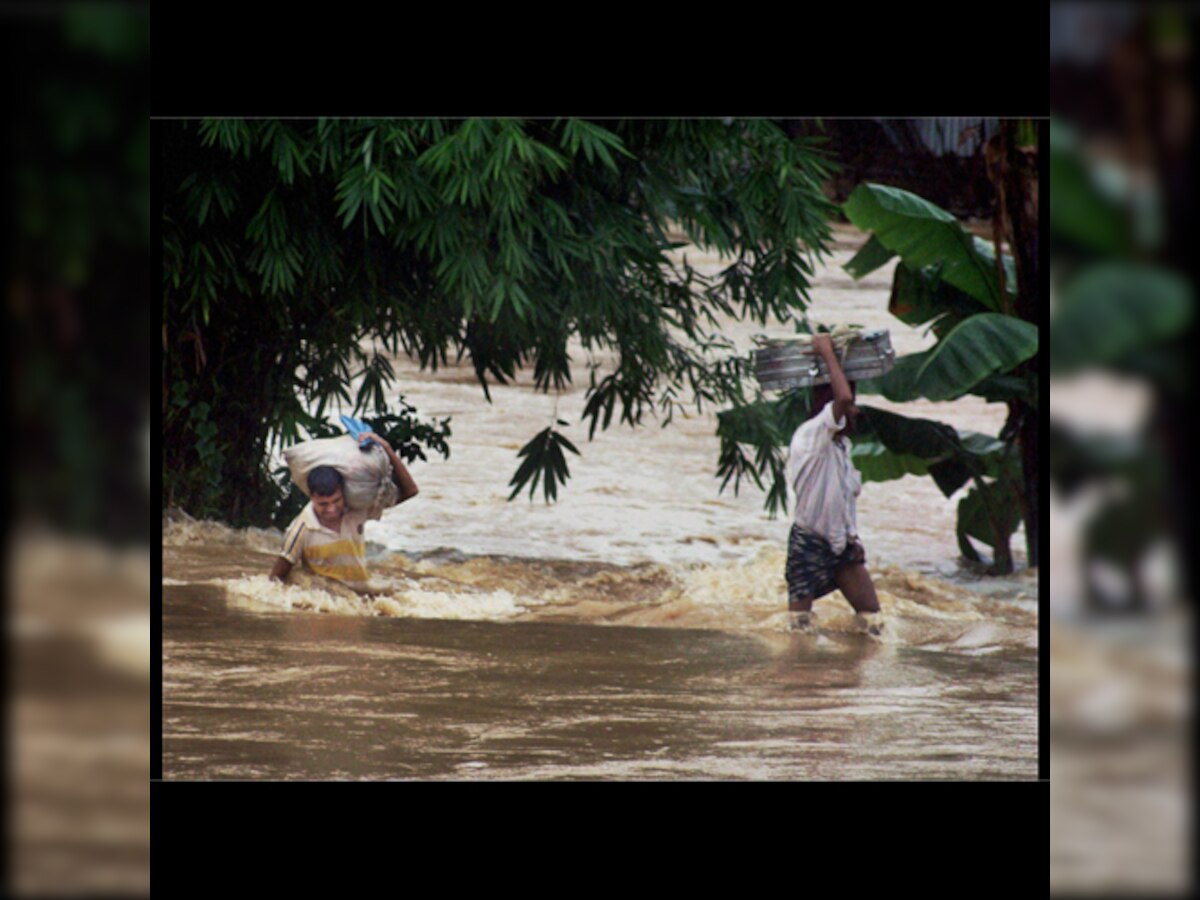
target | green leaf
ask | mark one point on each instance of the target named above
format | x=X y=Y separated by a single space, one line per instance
x=923 y=438
x=923 y=234
x=987 y=252
x=951 y=474
x=920 y=296
x=583 y=252
x=872 y=255
x=900 y=384
x=1111 y=310
x=544 y=461
x=976 y=348
x=1006 y=388
x=877 y=463
x=991 y=516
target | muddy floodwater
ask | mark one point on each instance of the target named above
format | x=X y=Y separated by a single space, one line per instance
x=634 y=630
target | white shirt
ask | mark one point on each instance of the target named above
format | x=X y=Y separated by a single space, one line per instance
x=826 y=482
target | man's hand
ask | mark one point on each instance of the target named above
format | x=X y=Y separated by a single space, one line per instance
x=822 y=343
x=843 y=396
x=404 y=481
x=281 y=569
x=372 y=436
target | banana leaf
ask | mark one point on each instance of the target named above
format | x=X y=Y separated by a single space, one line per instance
x=975 y=349
x=1005 y=388
x=987 y=252
x=891 y=446
x=984 y=455
x=923 y=438
x=870 y=257
x=900 y=384
x=920 y=296
x=923 y=234
x=990 y=516
x=876 y=462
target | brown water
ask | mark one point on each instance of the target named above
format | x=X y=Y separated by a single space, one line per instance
x=577 y=670
x=634 y=630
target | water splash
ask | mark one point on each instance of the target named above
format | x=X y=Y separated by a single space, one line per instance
x=737 y=597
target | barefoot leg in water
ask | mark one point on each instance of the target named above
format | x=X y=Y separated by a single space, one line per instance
x=856 y=586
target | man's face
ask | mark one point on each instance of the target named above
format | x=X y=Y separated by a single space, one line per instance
x=329 y=509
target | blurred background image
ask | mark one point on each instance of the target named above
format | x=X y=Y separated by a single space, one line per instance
x=76 y=288
x=1122 y=317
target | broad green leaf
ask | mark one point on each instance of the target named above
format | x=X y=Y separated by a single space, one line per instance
x=872 y=255
x=982 y=445
x=1006 y=388
x=951 y=474
x=877 y=463
x=978 y=347
x=894 y=445
x=922 y=438
x=981 y=455
x=1111 y=310
x=900 y=384
x=990 y=516
x=923 y=234
x=921 y=296
x=987 y=252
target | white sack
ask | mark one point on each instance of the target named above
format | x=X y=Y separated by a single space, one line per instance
x=367 y=473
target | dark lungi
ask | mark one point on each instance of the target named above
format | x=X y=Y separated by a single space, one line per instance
x=812 y=562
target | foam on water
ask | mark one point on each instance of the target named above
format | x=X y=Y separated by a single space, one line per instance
x=747 y=597
x=422 y=604
x=181 y=530
x=258 y=593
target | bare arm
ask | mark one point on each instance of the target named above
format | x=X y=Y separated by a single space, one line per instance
x=843 y=397
x=281 y=569
x=400 y=475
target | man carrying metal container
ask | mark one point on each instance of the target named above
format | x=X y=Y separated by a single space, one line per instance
x=824 y=550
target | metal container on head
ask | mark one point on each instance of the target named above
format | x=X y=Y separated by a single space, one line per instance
x=781 y=365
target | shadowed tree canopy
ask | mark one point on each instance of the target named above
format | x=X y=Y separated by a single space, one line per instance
x=291 y=248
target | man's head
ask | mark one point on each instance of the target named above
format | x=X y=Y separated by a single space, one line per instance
x=822 y=394
x=325 y=486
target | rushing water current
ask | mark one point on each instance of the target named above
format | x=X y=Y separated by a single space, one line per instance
x=634 y=630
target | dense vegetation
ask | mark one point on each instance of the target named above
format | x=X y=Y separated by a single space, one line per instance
x=293 y=249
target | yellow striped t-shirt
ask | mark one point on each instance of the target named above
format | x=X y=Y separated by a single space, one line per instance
x=341 y=556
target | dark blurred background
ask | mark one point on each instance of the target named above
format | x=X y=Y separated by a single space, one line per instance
x=76 y=192
x=1122 y=579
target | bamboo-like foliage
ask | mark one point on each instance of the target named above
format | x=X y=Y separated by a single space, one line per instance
x=291 y=248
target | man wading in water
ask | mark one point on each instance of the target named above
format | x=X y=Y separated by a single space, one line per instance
x=824 y=552
x=326 y=536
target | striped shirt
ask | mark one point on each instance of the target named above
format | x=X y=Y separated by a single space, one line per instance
x=826 y=482
x=338 y=555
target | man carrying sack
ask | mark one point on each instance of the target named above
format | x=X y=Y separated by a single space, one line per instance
x=327 y=536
